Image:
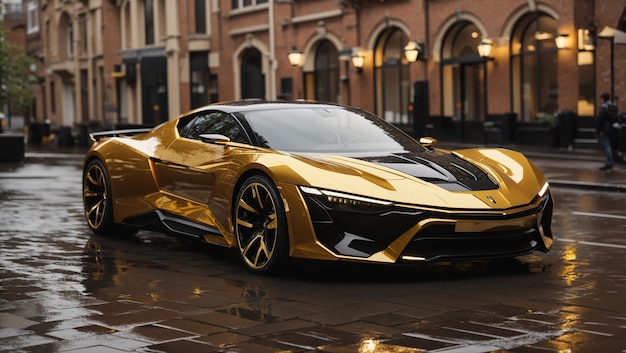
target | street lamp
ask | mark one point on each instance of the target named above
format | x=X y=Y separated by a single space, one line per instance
x=412 y=51
x=357 y=62
x=295 y=56
x=484 y=51
x=561 y=41
x=484 y=48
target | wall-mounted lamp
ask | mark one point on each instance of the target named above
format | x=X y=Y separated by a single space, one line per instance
x=295 y=57
x=357 y=61
x=541 y=35
x=412 y=51
x=561 y=41
x=484 y=48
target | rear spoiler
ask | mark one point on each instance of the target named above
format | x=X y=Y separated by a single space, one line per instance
x=96 y=136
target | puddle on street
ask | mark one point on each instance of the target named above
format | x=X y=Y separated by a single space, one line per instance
x=62 y=286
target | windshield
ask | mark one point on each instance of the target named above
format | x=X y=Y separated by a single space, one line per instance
x=327 y=129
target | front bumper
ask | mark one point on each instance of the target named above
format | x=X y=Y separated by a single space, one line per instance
x=406 y=233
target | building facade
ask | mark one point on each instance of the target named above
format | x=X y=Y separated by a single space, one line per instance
x=147 y=61
x=75 y=45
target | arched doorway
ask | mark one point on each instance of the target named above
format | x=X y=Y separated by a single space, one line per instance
x=391 y=74
x=534 y=66
x=463 y=73
x=252 y=77
x=323 y=83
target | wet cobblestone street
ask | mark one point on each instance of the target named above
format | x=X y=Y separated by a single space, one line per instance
x=63 y=289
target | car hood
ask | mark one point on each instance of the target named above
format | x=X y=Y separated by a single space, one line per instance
x=444 y=178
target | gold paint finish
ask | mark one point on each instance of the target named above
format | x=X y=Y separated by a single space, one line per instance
x=200 y=181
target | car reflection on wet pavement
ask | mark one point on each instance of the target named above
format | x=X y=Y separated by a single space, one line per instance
x=66 y=290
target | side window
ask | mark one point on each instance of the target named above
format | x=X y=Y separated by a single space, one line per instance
x=184 y=123
x=215 y=123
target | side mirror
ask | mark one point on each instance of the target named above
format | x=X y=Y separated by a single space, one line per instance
x=215 y=139
x=428 y=141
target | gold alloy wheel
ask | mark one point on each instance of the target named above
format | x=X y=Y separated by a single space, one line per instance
x=258 y=225
x=95 y=194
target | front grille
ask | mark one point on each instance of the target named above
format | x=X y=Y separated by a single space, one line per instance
x=440 y=242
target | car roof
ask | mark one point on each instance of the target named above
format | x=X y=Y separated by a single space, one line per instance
x=251 y=105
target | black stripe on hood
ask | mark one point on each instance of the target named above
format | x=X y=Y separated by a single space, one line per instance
x=443 y=169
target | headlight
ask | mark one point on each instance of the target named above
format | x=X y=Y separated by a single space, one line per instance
x=334 y=199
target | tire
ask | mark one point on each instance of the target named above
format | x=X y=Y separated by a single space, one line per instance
x=97 y=200
x=261 y=226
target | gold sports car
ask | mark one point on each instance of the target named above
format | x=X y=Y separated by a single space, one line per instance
x=282 y=180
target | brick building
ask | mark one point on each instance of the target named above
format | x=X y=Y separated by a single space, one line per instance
x=145 y=61
x=75 y=44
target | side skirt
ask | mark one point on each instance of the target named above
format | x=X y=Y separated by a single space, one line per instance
x=164 y=222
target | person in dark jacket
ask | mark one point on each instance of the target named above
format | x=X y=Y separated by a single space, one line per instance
x=603 y=128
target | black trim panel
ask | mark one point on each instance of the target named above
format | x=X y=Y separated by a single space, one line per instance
x=166 y=222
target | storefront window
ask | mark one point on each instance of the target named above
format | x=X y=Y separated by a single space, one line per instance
x=464 y=96
x=392 y=77
x=586 y=74
x=534 y=67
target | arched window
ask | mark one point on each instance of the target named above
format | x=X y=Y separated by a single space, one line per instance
x=326 y=72
x=252 y=78
x=392 y=77
x=534 y=66
x=463 y=84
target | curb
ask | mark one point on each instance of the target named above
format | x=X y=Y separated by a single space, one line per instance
x=587 y=185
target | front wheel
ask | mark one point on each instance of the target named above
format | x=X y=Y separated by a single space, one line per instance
x=261 y=226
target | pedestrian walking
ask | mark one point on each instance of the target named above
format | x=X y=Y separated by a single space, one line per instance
x=604 y=121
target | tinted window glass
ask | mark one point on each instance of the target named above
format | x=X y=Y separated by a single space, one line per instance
x=332 y=129
x=215 y=123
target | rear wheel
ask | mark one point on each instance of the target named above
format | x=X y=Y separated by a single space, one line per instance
x=97 y=200
x=261 y=226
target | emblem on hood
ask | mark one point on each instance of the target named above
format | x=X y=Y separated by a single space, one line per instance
x=493 y=201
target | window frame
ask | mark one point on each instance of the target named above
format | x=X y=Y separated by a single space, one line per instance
x=240 y=4
x=200 y=13
x=32 y=17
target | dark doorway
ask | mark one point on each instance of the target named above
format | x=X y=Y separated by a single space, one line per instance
x=154 y=90
x=252 y=78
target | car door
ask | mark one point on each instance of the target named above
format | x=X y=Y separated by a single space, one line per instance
x=189 y=170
